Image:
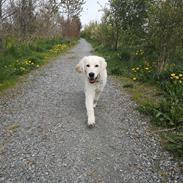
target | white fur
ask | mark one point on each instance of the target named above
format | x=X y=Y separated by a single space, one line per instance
x=96 y=65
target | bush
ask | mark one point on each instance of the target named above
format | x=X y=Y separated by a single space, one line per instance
x=125 y=54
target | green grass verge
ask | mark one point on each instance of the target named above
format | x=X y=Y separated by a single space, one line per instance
x=142 y=93
x=17 y=59
x=158 y=97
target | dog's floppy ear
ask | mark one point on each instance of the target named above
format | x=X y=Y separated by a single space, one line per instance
x=80 y=66
x=103 y=63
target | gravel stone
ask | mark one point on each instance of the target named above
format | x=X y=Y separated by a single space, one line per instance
x=44 y=135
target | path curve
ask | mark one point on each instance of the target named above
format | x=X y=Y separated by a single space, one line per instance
x=44 y=136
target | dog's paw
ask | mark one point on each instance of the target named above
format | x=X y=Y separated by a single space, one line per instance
x=91 y=124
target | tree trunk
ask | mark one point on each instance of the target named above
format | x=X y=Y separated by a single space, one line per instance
x=116 y=36
x=116 y=40
x=23 y=19
x=1 y=25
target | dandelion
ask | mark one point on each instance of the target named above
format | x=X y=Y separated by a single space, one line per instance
x=176 y=77
x=173 y=74
x=134 y=78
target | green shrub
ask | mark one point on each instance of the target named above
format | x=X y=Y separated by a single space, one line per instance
x=124 y=54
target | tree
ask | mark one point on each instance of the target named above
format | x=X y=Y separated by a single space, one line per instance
x=110 y=22
x=27 y=19
x=130 y=16
x=165 y=31
x=1 y=22
x=3 y=16
x=72 y=9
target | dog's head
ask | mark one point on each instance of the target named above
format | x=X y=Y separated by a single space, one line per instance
x=92 y=66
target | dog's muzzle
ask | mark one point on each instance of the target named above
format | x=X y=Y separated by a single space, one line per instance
x=92 y=79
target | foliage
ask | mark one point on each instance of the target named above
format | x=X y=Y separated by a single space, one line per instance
x=131 y=15
x=164 y=31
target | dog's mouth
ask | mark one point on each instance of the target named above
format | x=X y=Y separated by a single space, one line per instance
x=92 y=80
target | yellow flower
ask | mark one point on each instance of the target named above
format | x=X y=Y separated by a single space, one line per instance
x=171 y=77
x=180 y=75
x=173 y=74
x=134 y=79
x=176 y=77
x=137 y=68
x=146 y=68
x=180 y=81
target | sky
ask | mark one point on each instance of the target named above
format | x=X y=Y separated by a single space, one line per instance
x=91 y=11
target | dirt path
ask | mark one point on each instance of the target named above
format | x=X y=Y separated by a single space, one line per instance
x=44 y=136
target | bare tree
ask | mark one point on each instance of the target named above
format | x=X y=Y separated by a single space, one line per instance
x=1 y=21
x=71 y=9
x=27 y=19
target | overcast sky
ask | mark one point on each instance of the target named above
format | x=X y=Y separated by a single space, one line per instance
x=91 y=11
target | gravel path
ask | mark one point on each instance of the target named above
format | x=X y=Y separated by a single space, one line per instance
x=44 y=136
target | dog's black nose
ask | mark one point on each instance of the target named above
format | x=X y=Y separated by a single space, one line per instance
x=91 y=74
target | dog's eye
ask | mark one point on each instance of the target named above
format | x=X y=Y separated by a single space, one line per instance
x=87 y=65
x=96 y=65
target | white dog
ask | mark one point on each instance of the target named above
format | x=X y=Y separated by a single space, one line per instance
x=94 y=68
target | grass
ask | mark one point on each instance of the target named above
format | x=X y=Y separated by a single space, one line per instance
x=142 y=93
x=17 y=58
x=158 y=96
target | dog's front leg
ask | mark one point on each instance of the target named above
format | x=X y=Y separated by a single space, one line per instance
x=90 y=110
x=97 y=95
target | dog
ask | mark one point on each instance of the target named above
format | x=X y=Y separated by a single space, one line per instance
x=94 y=69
